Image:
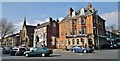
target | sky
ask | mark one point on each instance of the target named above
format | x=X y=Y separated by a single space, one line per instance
x=39 y=12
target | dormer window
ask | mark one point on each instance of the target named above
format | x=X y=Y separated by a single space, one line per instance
x=82 y=11
x=73 y=13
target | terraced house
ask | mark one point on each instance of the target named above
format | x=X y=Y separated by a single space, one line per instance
x=83 y=27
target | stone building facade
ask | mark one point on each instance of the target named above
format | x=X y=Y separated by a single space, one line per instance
x=11 y=40
x=26 y=34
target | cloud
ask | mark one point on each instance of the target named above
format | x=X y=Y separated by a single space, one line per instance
x=60 y=19
x=41 y=21
x=111 y=18
x=19 y=25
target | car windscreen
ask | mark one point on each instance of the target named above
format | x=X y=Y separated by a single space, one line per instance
x=45 y=48
x=22 y=48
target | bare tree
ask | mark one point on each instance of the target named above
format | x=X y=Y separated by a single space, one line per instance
x=6 y=28
x=111 y=28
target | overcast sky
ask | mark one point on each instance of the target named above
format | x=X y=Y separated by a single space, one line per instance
x=39 y=12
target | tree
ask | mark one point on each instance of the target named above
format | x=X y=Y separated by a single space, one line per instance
x=111 y=28
x=6 y=28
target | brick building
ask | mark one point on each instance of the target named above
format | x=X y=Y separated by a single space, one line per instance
x=46 y=34
x=26 y=34
x=83 y=27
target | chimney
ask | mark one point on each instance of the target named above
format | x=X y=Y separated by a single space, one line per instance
x=70 y=11
x=57 y=20
x=38 y=24
x=89 y=6
x=50 y=19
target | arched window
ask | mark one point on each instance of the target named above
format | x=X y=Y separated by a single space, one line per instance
x=73 y=42
x=77 y=41
x=68 y=42
x=37 y=38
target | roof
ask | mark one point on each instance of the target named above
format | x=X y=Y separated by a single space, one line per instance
x=30 y=28
x=65 y=19
x=42 y=25
x=12 y=35
x=87 y=12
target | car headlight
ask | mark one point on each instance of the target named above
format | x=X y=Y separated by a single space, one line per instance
x=115 y=45
x=111 y=46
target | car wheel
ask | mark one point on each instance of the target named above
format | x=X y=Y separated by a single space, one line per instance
x=16 y=54
x=26 y=55
x=43 y=54
x=85 y=51
x=10 y=54
x=73 y=51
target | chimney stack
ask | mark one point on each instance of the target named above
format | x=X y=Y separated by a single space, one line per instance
x=38 y=24
x=70 y=11
x=50 y=19
x=57 y=20
x=89 y=6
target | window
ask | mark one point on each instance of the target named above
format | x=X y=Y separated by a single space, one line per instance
x=83 y=30
x=82 y=40
x=77 y=41
x=79 y=30
x=62 y=42
x=82 y=20
x=71 y=31
x=74 y=32
x=65 y=41
x=73 y=42
x=72 y=22
x=68 y=42
x=79 y=21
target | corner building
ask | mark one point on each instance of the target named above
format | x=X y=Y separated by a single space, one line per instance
x=83 y=27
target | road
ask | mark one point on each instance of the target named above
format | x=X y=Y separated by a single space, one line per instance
x=102 y=54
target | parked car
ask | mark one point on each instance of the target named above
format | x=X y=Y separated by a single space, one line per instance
x=80 y=49
x=7 y=49
x=18 y=51
x=43 y=51
x=113 y=46
x=26 y=47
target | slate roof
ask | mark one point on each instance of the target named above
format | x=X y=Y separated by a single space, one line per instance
x=87 y=12
x=30 y=29
x=42 y=25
